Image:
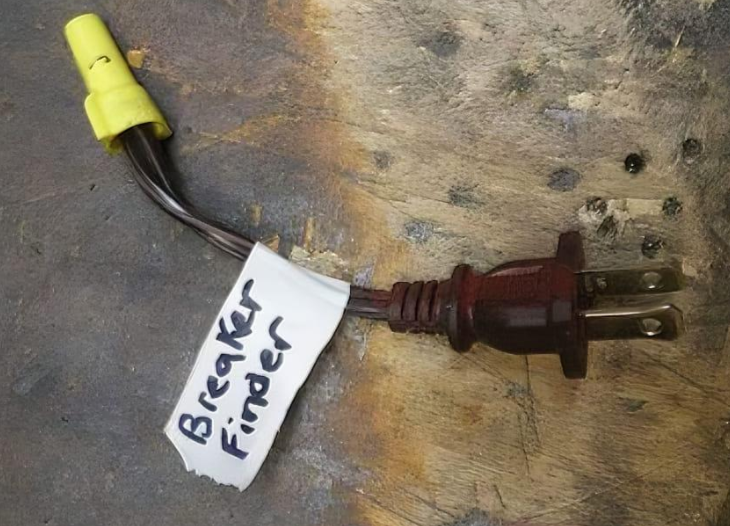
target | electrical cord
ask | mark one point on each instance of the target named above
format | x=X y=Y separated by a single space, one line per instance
x=157 y=177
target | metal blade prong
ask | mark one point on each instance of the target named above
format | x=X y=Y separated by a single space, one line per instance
x=630 y=282
x=656 y=321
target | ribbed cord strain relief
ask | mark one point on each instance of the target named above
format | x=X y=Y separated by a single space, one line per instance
x=414 y=307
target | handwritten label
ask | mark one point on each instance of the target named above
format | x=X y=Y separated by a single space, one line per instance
x=260 y=350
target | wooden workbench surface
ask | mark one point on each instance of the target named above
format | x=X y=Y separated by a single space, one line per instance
x=381 y=141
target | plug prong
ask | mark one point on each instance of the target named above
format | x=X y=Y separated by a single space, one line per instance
x=655 y=321
x=631 y=282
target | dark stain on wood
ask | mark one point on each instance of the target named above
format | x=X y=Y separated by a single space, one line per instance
x=464 y=196
x=691 y=150
x=564 y=180
x=672 y=207
x=382 y=159
x=518 y=80
x=443 y=43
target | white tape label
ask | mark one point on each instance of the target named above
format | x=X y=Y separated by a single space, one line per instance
x=260 y=350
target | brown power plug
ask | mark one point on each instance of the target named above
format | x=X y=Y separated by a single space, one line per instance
x=537 y=306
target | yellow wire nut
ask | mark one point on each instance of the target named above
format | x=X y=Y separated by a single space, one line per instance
x=116 y=102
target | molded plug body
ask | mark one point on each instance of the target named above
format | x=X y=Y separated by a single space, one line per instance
x=538 y=306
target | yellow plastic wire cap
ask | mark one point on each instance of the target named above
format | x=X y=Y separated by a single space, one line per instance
x=115 y=101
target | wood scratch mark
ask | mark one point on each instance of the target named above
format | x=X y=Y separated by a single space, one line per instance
x=391 y=204
x=679 y=37
x=232 y=4
x=594 y=494
x=494 y=374
x=47 y=195
x=499 y=496
x=413 y=193
x=453 y=364
x=704 y=389
x=386 y=508
x=523 y=446
x=530 y=412
x=250 y=132
x=529 y=433
x=430 y=504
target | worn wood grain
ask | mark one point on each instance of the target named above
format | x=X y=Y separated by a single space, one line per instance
x=378 y=140
x=490 y=126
